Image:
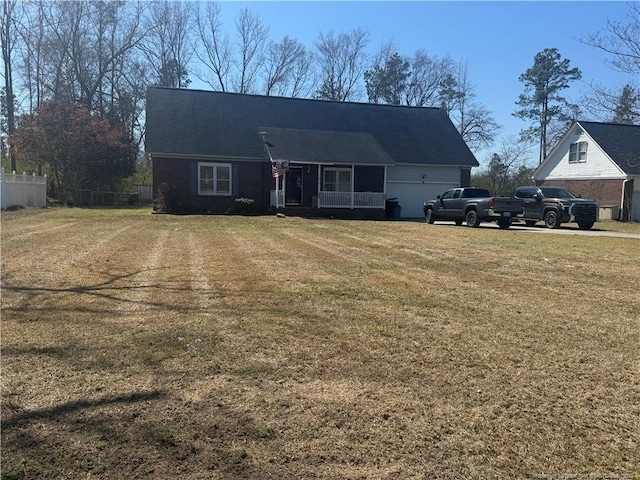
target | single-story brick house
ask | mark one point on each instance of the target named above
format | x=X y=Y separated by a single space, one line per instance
x=211 y=148
x=599 y=161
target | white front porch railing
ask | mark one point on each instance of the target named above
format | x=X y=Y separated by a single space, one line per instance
x=338 y=199
x=351 y=200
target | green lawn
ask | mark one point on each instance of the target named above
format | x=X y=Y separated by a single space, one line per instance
x=228 y=347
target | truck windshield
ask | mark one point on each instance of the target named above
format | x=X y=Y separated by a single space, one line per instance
x=475 y=193
x=552 y=192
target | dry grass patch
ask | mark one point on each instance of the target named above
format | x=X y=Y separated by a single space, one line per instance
x=143 y=346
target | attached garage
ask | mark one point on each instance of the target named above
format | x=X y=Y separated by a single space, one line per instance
x=413 y=185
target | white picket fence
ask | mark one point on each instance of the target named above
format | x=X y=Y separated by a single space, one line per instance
x=22 y=189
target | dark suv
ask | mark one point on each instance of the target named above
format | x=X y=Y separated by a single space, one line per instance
x=554 y=206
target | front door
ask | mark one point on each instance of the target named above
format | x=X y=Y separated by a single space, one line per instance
x=293 y=188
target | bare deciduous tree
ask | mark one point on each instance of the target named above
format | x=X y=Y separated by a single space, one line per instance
x=342 y=62
x=86 y=44
x=613 y=105
x=280 y=62
x=507 y=169
x=473 y=120
x=302 y=82
x=167 y=44
x=427 y=74
x=214 y=48
x=252 y=38
x=621 y=40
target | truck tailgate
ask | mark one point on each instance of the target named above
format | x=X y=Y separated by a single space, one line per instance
x=508 y=204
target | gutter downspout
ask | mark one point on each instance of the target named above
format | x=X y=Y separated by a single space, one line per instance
x=624 y=188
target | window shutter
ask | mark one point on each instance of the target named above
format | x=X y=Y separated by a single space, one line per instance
x=193 y=178
x=235 y=179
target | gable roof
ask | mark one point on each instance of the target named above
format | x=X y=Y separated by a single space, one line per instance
x=620 y=141
x=184 y=122
x=320 y=146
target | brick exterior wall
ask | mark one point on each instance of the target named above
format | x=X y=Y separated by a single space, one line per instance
x=252 y=180
x=607 y=193
x=177 y=172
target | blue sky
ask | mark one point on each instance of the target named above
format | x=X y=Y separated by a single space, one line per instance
x=498 y=39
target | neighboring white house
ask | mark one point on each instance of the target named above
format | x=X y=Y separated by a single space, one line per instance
x=599 y=161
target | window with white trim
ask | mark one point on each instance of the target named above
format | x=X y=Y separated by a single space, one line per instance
x=578 y=152
x=337 y=180
x=214 y=178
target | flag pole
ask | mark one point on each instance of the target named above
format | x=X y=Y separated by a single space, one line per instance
x=273 y=170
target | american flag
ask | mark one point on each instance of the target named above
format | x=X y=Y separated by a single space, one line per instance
x=277 y=169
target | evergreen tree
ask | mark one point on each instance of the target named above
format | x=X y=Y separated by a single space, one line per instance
x=627 y=109
x=387 y=84
x=541 y=101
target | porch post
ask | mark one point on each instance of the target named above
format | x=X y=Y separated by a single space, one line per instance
x=353 y=183
x=384 y=186
x=319 y=185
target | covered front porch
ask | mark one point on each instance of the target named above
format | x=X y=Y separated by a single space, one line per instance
x=330 y=187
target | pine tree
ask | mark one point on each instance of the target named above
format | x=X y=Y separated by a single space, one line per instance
x=541 y=101
x=627 y=109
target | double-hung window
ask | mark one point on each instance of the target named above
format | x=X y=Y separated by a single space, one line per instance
x=337 y=180
x=578 y=152
x=214 y=178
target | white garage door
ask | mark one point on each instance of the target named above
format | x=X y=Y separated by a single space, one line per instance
x=413 y=186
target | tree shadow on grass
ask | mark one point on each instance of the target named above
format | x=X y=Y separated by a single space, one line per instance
x=111 y=293
x=114 y=293
x=71 y=407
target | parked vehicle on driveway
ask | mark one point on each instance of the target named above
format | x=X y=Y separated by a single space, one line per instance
x=473 y=205
x=555 y=206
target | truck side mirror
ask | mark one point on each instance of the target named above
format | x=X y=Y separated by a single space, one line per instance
x=537 y=197
x=438 y=197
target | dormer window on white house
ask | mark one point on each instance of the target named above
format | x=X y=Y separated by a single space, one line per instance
x=214 y=179
x=578 y=152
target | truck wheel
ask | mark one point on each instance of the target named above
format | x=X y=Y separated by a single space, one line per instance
x=472 y=218
x=585 y=225
x=504 y=222
x=429 y=216
x=530 y=223
x=552 y=219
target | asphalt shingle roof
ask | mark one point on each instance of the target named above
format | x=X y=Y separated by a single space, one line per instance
x=621 y=142
x=321 y=146
x=205 y=123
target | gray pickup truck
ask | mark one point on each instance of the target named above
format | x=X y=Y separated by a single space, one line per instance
x=554 y=206
x=473 y=205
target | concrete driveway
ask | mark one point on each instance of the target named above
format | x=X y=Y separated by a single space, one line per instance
x=565 y=229
x=570 y=229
